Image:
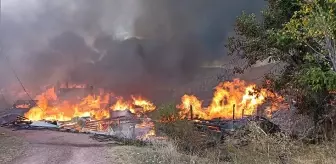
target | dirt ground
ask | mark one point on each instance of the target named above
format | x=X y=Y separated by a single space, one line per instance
x=49 y=147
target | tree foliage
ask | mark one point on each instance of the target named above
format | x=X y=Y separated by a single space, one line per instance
x=300 y=34
x=314 y=26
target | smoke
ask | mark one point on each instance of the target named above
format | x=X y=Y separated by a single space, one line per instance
x=127 y=45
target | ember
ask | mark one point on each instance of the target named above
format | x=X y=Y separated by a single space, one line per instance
x=22 y=106
x=231 y=100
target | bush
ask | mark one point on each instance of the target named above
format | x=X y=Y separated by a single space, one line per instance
x=258 y=147
x=183 y=133
x=253 y=145
x=166 y=113
x=247 y=145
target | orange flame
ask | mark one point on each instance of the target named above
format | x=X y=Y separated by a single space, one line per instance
x=146 y=105
x=121 y=104
x=147 y=124
x=50 y=108
x=231 y=100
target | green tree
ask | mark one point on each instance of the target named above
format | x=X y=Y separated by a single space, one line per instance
x=300 y=34
x=255 y=39
x=314 y=26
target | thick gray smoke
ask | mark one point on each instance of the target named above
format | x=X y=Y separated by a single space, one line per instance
x=130 y=45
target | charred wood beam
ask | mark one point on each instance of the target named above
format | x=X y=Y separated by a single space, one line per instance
x=210 y=125
x=218 y=122
x=123 y=141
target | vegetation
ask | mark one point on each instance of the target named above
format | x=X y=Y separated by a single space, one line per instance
x=300 y=34
x=166 y=113
x=247 y=145
x=279 y=148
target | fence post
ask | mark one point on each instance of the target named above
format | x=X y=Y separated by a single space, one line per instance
x=233 y=111
x=191 y=112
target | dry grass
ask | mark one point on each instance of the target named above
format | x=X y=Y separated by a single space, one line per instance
x=259 y=147
x=324 y=153
x=262 y=148
x=267 y=151
x=250 y=145
x=167 y=153
x=160 y=152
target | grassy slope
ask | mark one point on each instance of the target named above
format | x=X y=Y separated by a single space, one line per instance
x=259 y=152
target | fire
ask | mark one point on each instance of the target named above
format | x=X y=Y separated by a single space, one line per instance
x=146 y=105
x=151 y=131
x=121 y=104
x=191 y=101
x=97 y=107
x=49 y=108
x=231 y=100
x=150 y=134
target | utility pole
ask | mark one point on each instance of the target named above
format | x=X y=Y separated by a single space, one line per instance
x=1 y=48
x=0 y=28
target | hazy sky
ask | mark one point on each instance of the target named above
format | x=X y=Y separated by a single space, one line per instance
x=49 y=40
x=36 y=21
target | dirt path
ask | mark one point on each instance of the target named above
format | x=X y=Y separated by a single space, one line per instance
x=49 y=154
x=49 y=147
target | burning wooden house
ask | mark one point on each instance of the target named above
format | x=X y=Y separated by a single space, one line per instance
x=83 y=108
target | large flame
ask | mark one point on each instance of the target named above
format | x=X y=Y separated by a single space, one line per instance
x=49 y=107
x=231 y=100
